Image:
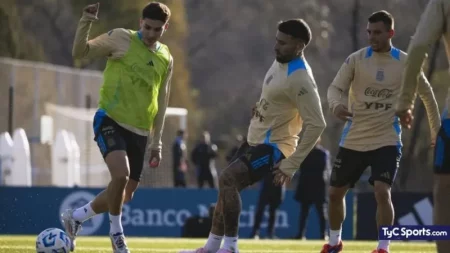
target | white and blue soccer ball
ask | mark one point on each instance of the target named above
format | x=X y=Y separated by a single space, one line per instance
x=53 y=240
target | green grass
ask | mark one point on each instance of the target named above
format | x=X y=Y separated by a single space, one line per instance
x=26 y=244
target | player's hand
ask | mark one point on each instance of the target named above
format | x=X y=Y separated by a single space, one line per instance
x=280 y=178
x=155 y=158
x=92 y=9
x=406 y=118
x=341 y=111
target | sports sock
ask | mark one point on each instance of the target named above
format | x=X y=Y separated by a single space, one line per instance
x=213 y=243
x=115 y=224
x=335 y=237
x=83 y=213
x=384 y=244
x=230 y=243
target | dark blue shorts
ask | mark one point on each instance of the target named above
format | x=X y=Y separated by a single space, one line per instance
x=260 y=159
x=351 y=164
x=110 y=136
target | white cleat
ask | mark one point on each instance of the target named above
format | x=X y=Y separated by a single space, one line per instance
x=118 y=243
x=71 y=226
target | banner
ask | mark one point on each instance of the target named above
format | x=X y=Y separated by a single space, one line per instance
x=152 y=212
x=411 y=209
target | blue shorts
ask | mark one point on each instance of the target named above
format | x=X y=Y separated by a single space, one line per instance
x=259 y=159
x=110 y=136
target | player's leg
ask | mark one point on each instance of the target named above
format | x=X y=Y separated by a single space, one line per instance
x=384 y=163
x=112 y=146
x=218 y=227
x=259 y=214
x=304 y=213
x=136 y=147
x=232 y=180
x=441 y=187
x=348 y=168
x=100 y=204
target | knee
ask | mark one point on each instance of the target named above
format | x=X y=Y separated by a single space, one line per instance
x=382 y=192
x=337 y=194
x=120 y=179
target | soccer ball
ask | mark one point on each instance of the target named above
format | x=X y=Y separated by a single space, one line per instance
x=53 y=240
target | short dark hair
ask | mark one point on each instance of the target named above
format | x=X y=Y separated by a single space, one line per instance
x=382 y=16
x=156 y=11
x=297 y=28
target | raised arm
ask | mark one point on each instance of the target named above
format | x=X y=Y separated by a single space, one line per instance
x=111 y=44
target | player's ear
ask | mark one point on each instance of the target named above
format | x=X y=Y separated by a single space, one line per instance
x=166 y=26
x=300 y=46
x=391 y=33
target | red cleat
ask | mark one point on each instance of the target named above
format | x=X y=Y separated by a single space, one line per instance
x=327 y=248
x=380 y=251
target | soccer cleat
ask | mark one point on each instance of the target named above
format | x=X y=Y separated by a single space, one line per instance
x=327 y=248
x=71 y=226
x=380 y=251
x=118 y=243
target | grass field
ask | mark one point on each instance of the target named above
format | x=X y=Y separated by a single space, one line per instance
x=26 y=244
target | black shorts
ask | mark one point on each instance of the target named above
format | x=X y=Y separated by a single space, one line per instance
x=259 y=159
x=350 y=165
x=110 y=136
x=442 y=149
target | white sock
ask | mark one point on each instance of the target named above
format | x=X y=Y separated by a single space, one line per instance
x=384 y=244
x=335 y=237
x=230 y=243
x=213 y=243
x=115 y=224
x=83 y=213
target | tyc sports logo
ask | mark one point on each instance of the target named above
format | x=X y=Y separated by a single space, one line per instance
x=78 y=199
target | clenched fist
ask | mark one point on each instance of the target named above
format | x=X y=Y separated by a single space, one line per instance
x=92 y=9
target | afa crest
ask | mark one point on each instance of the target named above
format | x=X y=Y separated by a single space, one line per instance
x=380 y=75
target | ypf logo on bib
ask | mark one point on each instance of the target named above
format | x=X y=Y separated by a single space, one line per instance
x=78 y=199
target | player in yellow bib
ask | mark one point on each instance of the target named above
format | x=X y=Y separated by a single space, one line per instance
x=132 y=106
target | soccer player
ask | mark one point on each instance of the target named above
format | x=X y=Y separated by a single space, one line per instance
x=372 y=133
x=289 y=103
x=132 y=106
x=432 y=26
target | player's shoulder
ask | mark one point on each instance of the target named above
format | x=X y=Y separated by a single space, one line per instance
x=398 y=54
x=299 y=73
x=120 y=32
x=367 y=53
x=358 y=55
x=297 y=68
